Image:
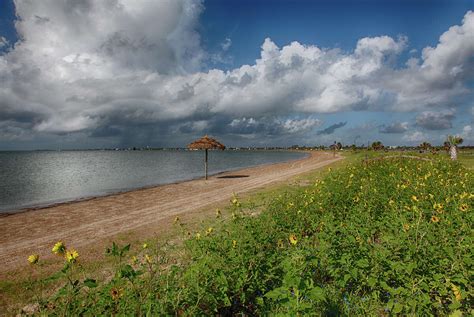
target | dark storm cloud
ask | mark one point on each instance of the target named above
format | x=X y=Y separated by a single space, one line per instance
x=396 y=127
x=331 y=128
x=435 y=120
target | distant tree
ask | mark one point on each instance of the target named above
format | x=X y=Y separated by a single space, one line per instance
x=377 y=145
x=446 y=146
x=353 y=147
x=424 y=146
x=453 y=142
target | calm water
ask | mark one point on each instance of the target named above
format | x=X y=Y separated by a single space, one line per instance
x=40 y=178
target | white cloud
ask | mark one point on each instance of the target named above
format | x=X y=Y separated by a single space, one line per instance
x=431 y=120
x=226 y=44
x=415 y=137
x=85 y=65
x=396 y=127
x=3 y=42
x=274 y=126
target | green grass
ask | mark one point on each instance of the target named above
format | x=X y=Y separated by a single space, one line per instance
x=466 y=157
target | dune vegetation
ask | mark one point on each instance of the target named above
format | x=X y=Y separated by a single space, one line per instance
x=382 y=237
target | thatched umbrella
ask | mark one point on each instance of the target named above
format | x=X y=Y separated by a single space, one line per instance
x=206 y=143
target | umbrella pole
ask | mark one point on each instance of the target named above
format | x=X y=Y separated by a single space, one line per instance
x=205 y=165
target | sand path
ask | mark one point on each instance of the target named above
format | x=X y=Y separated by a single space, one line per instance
x=85 y=222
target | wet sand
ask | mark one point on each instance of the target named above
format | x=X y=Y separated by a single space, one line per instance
x=88 y=222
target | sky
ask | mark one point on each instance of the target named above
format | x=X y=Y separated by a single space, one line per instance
x=123 y=73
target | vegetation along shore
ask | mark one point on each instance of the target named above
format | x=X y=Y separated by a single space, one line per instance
x=375 y=236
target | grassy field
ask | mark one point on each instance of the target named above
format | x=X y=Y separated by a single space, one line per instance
x=383 y=237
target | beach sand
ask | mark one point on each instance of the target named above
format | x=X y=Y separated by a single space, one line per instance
x=86 y=223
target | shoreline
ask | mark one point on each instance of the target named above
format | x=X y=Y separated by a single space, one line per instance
x=87 y=223
x=35 y=207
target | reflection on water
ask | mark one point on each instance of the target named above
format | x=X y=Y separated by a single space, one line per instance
x=43 y=177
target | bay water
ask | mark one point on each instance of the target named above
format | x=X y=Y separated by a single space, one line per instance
x=39 y=178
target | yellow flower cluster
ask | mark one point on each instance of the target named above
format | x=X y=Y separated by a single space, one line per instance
x=33 y=259
x=59 y=248
x=293 y=240
x=72 y=255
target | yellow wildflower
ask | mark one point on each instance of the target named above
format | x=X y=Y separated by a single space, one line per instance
x=280 y=243
x=391 y=202
x=209 y=231
x=293 y=240
x=463 y=207
x=414 y=198
x=145 y=246
x=176 y=220
x=456 y=292
x=147 y=258
x=406 y=227
x=33 y=259
x=59 y=248
x=116 y=293
x=198 y=236
x=235 y=201
x=218 y=213
x=434 y=219
x=134 y=260
x=71 y=255
x=234 y=243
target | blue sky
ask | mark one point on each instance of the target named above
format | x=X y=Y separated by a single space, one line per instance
x=336 y=23
x=132 y=73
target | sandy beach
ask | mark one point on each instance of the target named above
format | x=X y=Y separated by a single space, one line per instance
x=86 y=223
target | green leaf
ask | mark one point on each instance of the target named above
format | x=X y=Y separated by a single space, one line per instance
x=372 y=281
x=397 y=308
x=454 y=305
x=346 y=278
x=277 y=293
x=90 y=283
x=456 y=313
x=125 y=249
x=127 y=271
x=317 y=294
x=362 y=263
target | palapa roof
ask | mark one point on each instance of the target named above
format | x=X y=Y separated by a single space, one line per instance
x=206 y=143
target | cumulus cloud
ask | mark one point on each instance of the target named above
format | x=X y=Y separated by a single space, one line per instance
x=271 y=127
x=396 y=127
x=110 y=68
x=331 y=128
x=415 y=137
x=435 y=120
